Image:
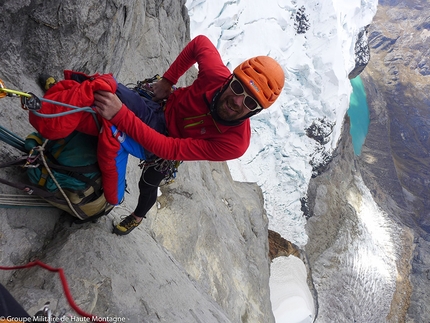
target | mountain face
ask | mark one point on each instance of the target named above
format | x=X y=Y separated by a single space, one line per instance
x=396 y=158
x=202 y=253
x=368 y=228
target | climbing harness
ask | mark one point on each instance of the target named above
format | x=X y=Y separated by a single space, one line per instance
x=144 y=88
x=64 y=284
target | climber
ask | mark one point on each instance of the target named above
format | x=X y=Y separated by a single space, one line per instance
x=208 y=120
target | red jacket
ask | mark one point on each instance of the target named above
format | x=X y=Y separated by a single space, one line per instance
x=193 y=133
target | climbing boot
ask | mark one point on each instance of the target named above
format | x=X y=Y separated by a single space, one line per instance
x=127 y=225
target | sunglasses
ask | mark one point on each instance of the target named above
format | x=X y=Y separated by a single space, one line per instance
x=238 y=89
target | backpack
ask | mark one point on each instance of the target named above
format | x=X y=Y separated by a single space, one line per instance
x=67 y=170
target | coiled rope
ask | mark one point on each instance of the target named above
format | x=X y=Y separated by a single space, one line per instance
x=19 y=200
x=41 y=149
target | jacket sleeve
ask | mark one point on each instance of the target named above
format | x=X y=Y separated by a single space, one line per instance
x=200 y=50
x=229 y=146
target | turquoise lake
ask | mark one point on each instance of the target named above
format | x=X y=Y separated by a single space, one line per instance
x=358 y=113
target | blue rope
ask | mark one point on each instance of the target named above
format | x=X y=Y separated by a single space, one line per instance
x=12 y=139
x=76 y=110
x=79 y=109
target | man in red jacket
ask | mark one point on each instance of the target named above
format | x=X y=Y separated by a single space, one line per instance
x=208 y=120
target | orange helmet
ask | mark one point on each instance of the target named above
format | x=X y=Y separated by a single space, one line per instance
x=263 y=77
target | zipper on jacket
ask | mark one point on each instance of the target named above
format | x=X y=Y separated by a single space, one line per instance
x=201 y=121
x=195 y=123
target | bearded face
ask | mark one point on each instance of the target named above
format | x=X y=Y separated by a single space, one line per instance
x=230 y=106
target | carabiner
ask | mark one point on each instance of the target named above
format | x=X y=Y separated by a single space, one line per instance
x=30 y=103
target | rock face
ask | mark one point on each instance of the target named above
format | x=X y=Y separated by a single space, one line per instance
x=201 y=256
x=280 y=247
x=362 y=53
x=368 y=228
x=351 y=250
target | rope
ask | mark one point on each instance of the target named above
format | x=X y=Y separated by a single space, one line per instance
x=41 y=149
x=17 y=200
x=64 y=283
x=87 y=109
x=12 y=139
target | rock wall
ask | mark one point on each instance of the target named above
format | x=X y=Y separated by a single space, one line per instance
x=352 y=249
x=201 y=256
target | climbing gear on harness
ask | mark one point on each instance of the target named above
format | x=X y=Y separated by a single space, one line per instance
x=263 y=77
x=127 y=225
x=144 y=88
x=168 y=168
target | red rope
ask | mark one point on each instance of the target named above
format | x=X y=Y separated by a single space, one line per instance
x=63 y=282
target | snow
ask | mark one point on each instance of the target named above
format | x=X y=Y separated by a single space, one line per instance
x=291 y=299
x=316 y=53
